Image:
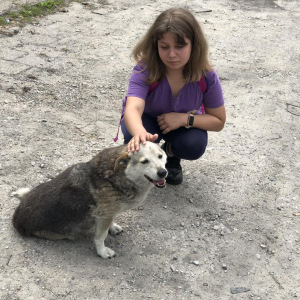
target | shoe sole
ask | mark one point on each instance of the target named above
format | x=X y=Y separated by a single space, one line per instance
x=176 y=182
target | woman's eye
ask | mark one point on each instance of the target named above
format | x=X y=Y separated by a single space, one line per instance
x=145 y=161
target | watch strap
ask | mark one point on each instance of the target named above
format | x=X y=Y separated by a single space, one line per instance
x=190 y=121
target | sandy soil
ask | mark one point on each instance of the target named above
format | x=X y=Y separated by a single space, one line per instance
x=232 y=223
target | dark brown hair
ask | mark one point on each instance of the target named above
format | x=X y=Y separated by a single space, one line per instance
x=182 y=24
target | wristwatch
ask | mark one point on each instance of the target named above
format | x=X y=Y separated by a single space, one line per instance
x=190 y=121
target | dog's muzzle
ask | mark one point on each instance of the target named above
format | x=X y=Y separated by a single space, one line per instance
x=159 y=183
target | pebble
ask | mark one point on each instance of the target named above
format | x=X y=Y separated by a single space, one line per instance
x=224 y=267
x=263 y=246
x=236 y=290
x=182 y=224
x=196 y=262
x=216 y=227
x=172 y=268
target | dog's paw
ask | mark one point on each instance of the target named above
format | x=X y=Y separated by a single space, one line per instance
x=115 y=229
x=106 y=252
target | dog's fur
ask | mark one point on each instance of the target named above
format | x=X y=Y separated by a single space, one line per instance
x=90 y=195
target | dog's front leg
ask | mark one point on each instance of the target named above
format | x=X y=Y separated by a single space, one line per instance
x=101 y=231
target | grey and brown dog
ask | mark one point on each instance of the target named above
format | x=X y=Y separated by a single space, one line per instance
x=90 y=195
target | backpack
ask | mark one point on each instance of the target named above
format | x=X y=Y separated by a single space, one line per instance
x=203 y=84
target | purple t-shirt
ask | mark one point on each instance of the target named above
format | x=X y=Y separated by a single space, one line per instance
x=161 y=100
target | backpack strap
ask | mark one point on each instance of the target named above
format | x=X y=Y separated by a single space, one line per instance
x=203 y=87
x=202 y=84
x=153 y=86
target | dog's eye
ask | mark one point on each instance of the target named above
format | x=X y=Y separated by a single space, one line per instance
x=145 y=161
x=160 y=156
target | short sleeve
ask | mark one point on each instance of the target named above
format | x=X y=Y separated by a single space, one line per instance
x=213 y=97
x=137 y=85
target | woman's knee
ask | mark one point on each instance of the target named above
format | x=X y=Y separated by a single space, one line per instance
x=190 y=148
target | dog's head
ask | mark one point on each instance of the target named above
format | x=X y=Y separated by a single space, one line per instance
x=146 y=166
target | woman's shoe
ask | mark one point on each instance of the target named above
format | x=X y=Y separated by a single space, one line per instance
x=174 y=168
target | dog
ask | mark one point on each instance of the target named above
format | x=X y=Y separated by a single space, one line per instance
x=88 y=196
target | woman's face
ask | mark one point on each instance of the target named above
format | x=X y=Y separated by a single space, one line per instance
x=173 y=55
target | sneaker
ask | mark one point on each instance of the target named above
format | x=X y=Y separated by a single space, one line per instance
x=174 y=169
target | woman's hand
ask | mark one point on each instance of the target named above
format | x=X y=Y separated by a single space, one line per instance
x=142 y=137
x=171 y=121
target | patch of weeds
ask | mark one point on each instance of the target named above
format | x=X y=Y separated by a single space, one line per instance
x=103 y=2
x=13 y=15
x=47 y=4
x=3 y=21
x=26 y=13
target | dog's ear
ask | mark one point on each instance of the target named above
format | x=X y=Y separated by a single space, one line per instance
x=122 y=161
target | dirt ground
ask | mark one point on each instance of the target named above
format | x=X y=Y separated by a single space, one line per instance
x=233 y=222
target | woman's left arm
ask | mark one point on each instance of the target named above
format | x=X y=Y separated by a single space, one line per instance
x=213 y=120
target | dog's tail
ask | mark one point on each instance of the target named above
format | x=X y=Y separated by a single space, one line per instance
x=21 y=192
x=18 y=217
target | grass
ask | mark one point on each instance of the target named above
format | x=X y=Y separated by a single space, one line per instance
x=3 y=21
x=29 y=13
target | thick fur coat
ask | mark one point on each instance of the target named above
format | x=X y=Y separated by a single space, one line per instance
x=89 y=195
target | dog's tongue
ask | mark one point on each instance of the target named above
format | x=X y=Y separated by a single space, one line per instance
x=160 y=182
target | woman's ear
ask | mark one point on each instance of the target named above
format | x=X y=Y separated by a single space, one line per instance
x=122 y=161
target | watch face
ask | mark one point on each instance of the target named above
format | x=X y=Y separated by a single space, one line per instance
x=191 y=120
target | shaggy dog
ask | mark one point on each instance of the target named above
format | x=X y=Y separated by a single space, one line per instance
x=90 y=195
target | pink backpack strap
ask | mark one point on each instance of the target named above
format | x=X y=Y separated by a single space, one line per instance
x=122 y=117
x=202 y=84
x=153 y=86
x=203 y=87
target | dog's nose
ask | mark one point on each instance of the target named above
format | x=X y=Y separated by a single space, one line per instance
x=162 y=173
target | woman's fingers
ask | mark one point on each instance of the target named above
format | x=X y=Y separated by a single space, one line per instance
x=134 y=143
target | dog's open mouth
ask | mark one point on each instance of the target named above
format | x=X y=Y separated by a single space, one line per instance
x=158 y=183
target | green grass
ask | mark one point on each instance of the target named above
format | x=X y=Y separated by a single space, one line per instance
x=3 y=21
x=12 y=14
x=27 y=13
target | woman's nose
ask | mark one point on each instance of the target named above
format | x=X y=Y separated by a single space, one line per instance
x=172 y=53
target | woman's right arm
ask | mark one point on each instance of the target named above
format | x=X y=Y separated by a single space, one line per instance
x=133 y=121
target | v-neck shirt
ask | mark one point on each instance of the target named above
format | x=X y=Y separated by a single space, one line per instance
x=161 y=100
